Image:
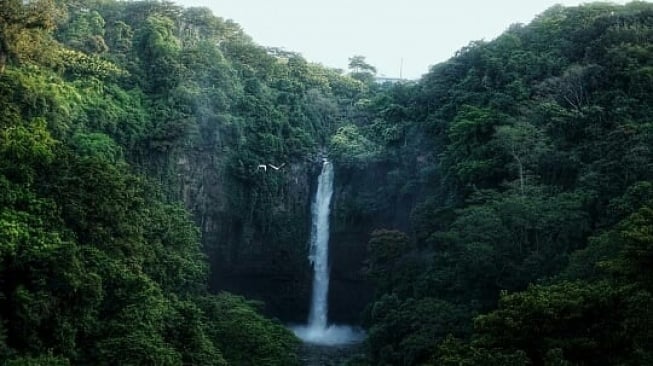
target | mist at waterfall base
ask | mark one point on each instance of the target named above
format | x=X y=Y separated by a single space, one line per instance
x=318 y=331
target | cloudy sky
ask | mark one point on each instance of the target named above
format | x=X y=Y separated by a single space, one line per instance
x=419 y=32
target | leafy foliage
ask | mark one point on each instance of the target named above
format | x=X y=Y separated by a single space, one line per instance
x=525 y=163
x=534 y=223
x=97 y=264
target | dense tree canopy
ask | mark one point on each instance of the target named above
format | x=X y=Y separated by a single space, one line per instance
x=524 y=242
x=99 y=263
x=525 y=164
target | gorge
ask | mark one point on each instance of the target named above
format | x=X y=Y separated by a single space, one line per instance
x=498 y=211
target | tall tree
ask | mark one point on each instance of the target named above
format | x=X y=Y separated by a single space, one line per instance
x=20 y=22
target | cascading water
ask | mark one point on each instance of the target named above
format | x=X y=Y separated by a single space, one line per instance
x=317 y=330
x=319 y=250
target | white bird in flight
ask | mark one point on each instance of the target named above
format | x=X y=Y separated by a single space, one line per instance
x=276 y=167
x=265 y=167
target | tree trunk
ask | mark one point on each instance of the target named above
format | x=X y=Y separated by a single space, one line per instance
x=4 y=49
x=521 y=177
x=3 y=55
x=520 y=166
x=3 y=61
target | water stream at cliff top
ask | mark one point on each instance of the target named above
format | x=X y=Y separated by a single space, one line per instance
x=318 y=331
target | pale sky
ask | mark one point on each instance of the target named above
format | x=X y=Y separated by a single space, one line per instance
x=421 y=32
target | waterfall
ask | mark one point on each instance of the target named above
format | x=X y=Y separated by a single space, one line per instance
x=319 y=250
x=318 y=330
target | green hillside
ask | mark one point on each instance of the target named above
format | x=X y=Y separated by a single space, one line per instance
x=500 y=209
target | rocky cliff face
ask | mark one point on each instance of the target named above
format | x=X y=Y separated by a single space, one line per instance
x=256 y=231
x=361 y=205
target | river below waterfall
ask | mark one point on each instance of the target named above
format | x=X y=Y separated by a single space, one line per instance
x=319 y=355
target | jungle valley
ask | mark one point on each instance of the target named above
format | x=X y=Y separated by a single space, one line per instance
x=157 y=169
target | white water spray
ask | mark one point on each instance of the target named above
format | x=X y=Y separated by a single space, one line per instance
x=317 y=330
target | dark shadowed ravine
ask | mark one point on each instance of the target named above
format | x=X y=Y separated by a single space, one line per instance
x=320 y=355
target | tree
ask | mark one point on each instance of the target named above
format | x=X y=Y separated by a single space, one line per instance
x=525 y=144
x=385 y=248
x=361 y=70
x=159 y=48
x=350 y=146
x=471 y=154
x=233 y=320
x=86 y=33
x=357 y=64
x=20 y=22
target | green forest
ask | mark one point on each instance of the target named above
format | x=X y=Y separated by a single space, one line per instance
x=502 y=205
